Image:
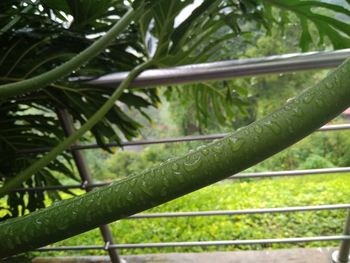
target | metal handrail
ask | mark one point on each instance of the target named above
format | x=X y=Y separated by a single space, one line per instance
x=203 y=243
x=334 y=127
x=233 y=177
x=226 y=69
x=291 y=173
x=242 y=212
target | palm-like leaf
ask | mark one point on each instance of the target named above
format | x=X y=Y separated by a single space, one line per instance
x=36 y=43
x=173 y=37
x=330 y=19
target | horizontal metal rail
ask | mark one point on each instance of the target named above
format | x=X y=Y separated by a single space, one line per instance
x=335 y=127
x=233 y=177
x=242 y=212
x=291 y=173
x=203 y=243
x=227 y=69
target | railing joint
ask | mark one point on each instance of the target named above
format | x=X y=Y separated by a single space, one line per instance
x=84 y=185
x=107 y=245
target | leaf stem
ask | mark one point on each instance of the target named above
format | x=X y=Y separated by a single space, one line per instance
x=38 y=82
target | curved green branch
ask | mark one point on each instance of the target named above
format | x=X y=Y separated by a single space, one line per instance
x=208 y=164
x=27 y=173
x=38 y=82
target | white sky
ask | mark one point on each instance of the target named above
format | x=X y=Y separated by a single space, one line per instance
x=186 y=12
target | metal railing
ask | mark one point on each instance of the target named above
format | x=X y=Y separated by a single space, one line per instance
x=213 y=71
x=228 y=69
x=290 y=173
x=206 y=243
x=336 y=127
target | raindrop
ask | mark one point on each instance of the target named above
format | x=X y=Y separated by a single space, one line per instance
x=298 y=113
x=179 y=176
x=167 y=161
x=55 y=203
x=204 y=150
x=343 y=70
x=290 y=99
x=192 y=162
x=132 y=182
x=290 y=126
x=275 y=128
x=258 y=129
x=329 y=85
x=320 y=103
x=288 y=107
x=336 y=80
x=130 y=196
x=108 y=207
x=63 y=223
x=200 y=147
x=235 y=143
x=146 y=188
x=165 y=180
x=175 y=166
x=218 y=147
x=308 y=97
x=247 y=132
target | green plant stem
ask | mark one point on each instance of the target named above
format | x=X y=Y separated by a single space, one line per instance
x=174 y=178
x=27 y=173
x=38 y=82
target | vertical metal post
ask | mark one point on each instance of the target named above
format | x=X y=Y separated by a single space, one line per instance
x=68 y=127
x=342 y=255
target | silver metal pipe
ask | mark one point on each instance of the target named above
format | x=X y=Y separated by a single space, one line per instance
x=227 y=69
x=291 y=173
x=342 y=255
x=335 y=127
x=234 y=177
x=66 y=248
x=242 y=212
x=236 y=242
x=204 y=243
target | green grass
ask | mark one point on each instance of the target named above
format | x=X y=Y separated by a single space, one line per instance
x=231 y=195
